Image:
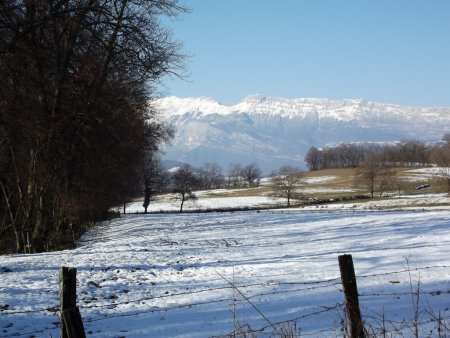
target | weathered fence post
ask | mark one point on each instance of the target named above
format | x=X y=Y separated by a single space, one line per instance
x=351 y=296
x=71 y=322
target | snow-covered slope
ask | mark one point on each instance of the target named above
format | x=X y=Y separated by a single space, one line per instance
x=161 y=275
x=276 y=131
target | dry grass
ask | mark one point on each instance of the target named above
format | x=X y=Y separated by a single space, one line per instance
x=244 y=192
x=342 y=183
x=346 y=178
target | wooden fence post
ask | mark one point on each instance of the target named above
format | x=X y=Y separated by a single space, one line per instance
x=71 y=322
x=351 y=296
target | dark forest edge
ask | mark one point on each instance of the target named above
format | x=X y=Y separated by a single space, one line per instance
x=76 y=119
x=407 y=153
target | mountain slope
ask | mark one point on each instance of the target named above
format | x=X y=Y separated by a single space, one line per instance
x=276 y=131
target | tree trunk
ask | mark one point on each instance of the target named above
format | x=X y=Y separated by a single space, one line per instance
x=40 y=229
x=181 y=207
x=183 y=198
x=17 y=236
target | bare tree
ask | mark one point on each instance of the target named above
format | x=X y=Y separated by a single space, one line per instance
x=374 y=173
x=164 y=180
x=234 y=175
x=285 y=183
x=446 y=137
x=387 y=180
x=185 y=182
x=211 y=174
x=441 y=157
x=312 y=158
x=152 y=172
x=411 y=153
x=251 y=174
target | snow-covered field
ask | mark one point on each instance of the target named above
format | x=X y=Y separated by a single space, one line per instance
x=166 y=275
x=205 y=202
x=418 y=202
x=167 y=203
x=421 y=174
x=319 y=179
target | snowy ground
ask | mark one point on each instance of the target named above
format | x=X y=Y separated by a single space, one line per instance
x=312 y=191
x=319 y=179
x=422 y=174
x=168 y=203
x=161 y=275
x=417 y=201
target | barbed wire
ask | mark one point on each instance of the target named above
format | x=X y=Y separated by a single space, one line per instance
x=396 y=325
x=137 y=313
x=406 y=293
x=380 y=317
x=314 y=334
x=263 y=328
x=333 y=282
x=290 y=291
x=47 y=309
x=21 y=334
x=403 y=271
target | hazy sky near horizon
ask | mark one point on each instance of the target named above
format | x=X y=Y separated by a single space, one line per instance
x=390 y=51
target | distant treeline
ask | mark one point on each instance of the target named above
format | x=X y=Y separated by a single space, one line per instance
x=411 y=153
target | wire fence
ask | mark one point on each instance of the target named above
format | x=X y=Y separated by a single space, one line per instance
x=323 y=298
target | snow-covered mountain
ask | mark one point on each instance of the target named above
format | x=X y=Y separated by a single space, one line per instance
x=276 y=131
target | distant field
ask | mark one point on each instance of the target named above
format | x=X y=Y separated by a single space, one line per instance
x=329 y=183
x=322 y=184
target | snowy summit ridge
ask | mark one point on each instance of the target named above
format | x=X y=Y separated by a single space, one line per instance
x=275 y=131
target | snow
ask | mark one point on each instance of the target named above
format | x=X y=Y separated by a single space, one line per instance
x=194 y=105
x=173 y=170
x=319 y=179
x=344 y=110
x=223 y=199
x=160 y=275
x=322 y=190
x=274 y=131
x=171 y=203
x=424 y=174
x=417 y=202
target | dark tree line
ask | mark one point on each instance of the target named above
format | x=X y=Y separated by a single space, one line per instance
x=211 y=176
x=400 y=154
x=440 y=156
x=242 y=177
x=376 y=163
x=75 y=120
x=185 y=180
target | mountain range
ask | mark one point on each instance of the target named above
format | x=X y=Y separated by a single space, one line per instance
x=276 y=131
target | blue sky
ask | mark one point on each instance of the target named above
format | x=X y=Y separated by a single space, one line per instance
x=391 y=51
